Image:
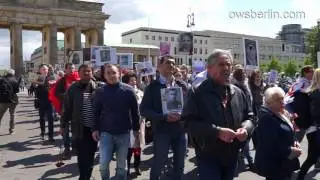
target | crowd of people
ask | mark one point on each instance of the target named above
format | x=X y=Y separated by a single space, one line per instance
x=117 y=112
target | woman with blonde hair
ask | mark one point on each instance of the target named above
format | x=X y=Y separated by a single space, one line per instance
x=313 y=130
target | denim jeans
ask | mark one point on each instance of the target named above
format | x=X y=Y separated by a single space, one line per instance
x=120 y=143
x=212 y=169
x=66 y=138
x=162 y=142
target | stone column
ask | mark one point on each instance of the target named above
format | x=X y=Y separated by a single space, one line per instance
x=101 y=36
x=72 y=40
x=91 y=37
x=49 y=45
x=16 y=61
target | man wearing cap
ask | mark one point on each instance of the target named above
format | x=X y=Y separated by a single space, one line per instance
x=9 y=87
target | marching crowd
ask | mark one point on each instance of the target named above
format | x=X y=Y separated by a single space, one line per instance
x=225 y=107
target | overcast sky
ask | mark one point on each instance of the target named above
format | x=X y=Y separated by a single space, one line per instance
x=218 y=15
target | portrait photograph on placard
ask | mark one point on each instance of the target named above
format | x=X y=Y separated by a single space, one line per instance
x=86 y=54
x=105 y=55
x=126 y=60
x=164 y=49
x=76 y=58
x=251 y=54
x=185 y=43
x=94 y=52
x=145 y=68
x=172 y=100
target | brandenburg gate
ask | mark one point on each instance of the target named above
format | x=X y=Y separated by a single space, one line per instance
x=51 y=16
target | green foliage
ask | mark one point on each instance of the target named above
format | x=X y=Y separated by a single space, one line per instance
x=263 y=67
x=290 y=68
x=274 y=64
x=307 y=60
x=312 y=44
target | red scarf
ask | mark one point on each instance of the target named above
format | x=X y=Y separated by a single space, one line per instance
x=69 y=79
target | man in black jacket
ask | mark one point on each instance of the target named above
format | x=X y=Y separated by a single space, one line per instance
x=9 y=101
x=218 y=119
x=78 y=112
x=167 y=127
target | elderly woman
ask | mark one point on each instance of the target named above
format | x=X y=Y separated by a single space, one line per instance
x=277 y=151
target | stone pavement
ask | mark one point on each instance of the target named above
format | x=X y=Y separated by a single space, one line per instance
x=24 y=156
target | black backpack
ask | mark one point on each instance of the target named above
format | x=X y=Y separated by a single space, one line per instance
x=301 y=106
x=6 y=91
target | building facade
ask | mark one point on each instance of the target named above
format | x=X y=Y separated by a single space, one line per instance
x=204 y=42
x=295 y=34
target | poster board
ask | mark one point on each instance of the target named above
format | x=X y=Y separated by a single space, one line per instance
x=165 y=49
x=145 y=68
x=76 y=58
x=172 y=100
x=251 y=54
x=125 y=60
x=106 y=55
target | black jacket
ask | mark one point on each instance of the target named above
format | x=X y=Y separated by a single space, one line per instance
x=203 y=114
x=274 y=138
x=15 y=87
x=72 y=108
x=315 y=107
x=151 y=108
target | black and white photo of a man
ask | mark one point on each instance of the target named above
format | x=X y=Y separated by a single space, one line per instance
x=75 y=58
x=185 y=42
x=251 y=52
x=105 y=55
x=173 y=100
x=124 y=60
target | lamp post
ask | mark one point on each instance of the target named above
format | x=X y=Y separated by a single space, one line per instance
x=190 y=24
x=318 y=43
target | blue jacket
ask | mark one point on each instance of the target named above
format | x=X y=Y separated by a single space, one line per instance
x=115 y=109
x=274 y=138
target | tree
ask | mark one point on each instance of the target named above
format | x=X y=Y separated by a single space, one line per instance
x=274 y=64
x=290 y=68
x=312 y=44
x=307 y=61
x=263 y=67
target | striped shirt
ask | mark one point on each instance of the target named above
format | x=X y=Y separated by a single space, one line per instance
x=87 y=111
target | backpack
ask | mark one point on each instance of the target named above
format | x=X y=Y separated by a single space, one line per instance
x=6 y=91
x=301 y=106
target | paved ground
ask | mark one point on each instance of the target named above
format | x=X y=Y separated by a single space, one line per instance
x=23 y=156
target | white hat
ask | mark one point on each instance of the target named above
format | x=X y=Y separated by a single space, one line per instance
x=11 y=71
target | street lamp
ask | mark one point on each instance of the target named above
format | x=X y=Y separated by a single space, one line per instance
x=190 y=24
x=318 y=43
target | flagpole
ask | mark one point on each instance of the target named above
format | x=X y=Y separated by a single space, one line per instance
x=148 y=43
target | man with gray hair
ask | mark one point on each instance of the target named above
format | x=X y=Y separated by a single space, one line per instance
x=9 y=87
x=218 y=119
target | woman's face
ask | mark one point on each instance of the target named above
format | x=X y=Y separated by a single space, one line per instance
x=277 y=102
x=257 y=79
x=133 y=81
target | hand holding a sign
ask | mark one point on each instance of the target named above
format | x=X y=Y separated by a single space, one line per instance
x=173 y=117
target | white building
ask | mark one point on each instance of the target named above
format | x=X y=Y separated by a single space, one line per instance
x=206 y=41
